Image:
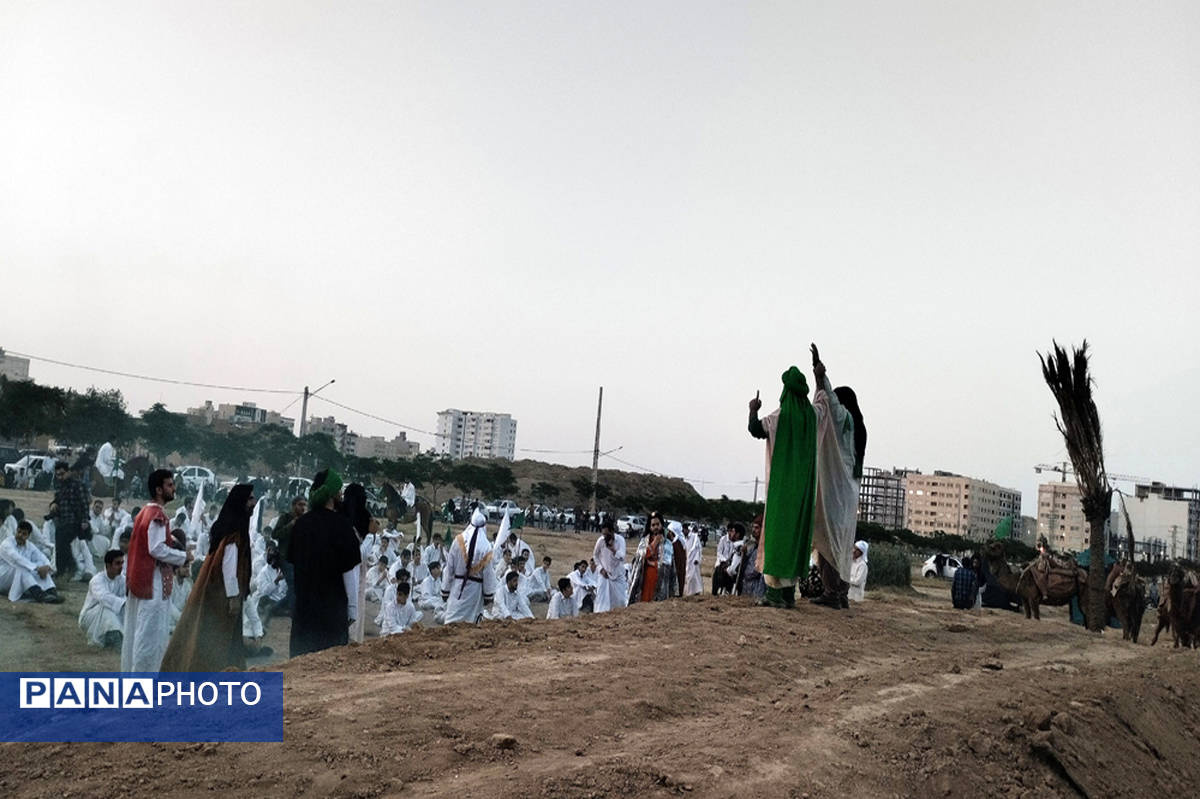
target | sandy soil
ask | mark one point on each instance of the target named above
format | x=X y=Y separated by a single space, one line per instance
x=900 y=696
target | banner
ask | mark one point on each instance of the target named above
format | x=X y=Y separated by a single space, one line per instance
x=163 y=707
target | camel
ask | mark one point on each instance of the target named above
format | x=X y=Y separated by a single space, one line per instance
x=1125 y=598
x=1179 y=609
x=1062 y=583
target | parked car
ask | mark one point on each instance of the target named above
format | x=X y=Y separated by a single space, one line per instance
x=192 y=478
x=631 y=524
x=952 y=564
x=496 y=510
x=30 y=471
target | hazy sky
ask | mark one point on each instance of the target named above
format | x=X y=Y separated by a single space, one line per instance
x=502 y=206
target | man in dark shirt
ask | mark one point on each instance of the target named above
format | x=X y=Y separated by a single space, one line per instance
x=70 y=513
x=965 y=587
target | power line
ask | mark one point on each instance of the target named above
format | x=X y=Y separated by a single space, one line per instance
x=153 y=379
x=376 y=417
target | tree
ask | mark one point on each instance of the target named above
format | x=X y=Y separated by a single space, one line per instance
x=164 y=432
x=95 y=417
x=542 y=491
x=232 y=450
x=317 y=451
x=28 y=410
x=1078 y=420
x=275 y=446
x=498 y=481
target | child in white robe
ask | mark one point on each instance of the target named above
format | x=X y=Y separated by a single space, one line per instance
x=428 y=594
x=398 y=614
x=562 y=602
x=377 y=580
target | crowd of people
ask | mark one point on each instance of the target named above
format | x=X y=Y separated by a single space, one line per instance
x=196 y=591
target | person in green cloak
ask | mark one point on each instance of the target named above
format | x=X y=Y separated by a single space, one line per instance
x=791 y=477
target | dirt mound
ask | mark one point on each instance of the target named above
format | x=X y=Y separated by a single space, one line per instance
x=899 y=696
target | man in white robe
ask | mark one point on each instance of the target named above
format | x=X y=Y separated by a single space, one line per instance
x=25 y=572
x=539 y=583
x=117 y=518
x=180 y=591
x=510 y=603
x=469 y=581
x=583 y=591
x=436 y=551
x=102 y=537
x=562 y=601
x=694 y=549
x=102 y=616
x=612 y=590
x=398 y=612
x=148 y=580
x=428 y=594
x=376 y=580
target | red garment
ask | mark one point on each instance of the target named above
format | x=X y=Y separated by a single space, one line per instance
x=139 y=565
x=650 y=570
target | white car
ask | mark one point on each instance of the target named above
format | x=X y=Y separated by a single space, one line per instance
x=193 y=477
x=24 y=471
x=631 y=524
x=496 y=510
x=951 y=565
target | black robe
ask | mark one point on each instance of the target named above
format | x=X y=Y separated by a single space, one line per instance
x=323 y=547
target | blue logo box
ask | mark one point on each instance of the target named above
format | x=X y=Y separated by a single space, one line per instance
x=163 y=707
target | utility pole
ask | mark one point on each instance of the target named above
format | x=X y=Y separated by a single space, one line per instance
x=304 y=414
x=596 y=451
x=755 y=500
x=1174 y=541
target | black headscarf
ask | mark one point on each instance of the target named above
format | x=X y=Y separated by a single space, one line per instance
x=354 y=506
x=849 y=401
x=233 y=518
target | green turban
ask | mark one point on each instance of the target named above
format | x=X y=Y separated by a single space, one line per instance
x=322 y=492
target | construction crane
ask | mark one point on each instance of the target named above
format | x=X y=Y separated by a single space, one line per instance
x=1065 y=468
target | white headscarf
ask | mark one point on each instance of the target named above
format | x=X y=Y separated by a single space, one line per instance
x=862 y=547
x=478 y=519
x=676 y=528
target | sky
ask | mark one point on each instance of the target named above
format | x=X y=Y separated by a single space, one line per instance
x=503 y=206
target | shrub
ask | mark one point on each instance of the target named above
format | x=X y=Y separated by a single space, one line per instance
x=889 y=565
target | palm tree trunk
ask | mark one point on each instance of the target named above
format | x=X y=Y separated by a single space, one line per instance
x=1097 y=608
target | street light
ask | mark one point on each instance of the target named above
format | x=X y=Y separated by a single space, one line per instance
x=304 y=407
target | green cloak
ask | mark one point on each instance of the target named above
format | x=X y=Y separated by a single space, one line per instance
x=791 y=495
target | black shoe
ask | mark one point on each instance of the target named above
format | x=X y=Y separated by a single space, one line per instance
x=51 y=597
x=33 y=594
x=828 y=601
x=844 y=602
x=789 y=597
x=113 y=639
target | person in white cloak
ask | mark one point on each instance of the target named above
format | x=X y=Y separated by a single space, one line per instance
x=693 y=551
x=858 y=572
x=25 y=572
x=102 y=537
x=428 y=593
x=510 y=603
x=377 y=580
x=267 y=589
x=436 y=551
x=398 y=612
x=612 y=590
x=42 y=538
x=102 y=616
x=583 y=591
x=562 y=601
x=419 y=570
x=468 y=581
x=539 y=583
x=117 y=518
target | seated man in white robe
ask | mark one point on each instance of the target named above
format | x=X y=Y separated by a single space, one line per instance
x=102 y=616
x=539 y=583
x=25 y=573
x=582 y=589
x=377 y=580
x=102 y=539
x=403 y=561
x=267 y=589
x=419 y=570
x=42 y=538
x=562 y=601
x=436 y=551
x=117 y=518
x=398 y=613
x=428 y=594
x=504 y=565
x=510 y=603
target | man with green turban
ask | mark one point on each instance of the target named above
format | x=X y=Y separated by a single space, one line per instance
x=791 y=477
x=324 y=551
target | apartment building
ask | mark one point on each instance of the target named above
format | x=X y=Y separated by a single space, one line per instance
x=958 y=505
x=476 y=434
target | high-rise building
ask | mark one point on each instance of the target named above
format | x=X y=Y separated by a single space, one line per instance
x=13 y=367
x=1060 y=517
x=379 y=447
x=958 y=505
x=881 y=496
x=1181 y=533
x=476 y=434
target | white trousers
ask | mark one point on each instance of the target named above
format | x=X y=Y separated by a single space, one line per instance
x=16 y=580
x=611 y=594
x=147 y=630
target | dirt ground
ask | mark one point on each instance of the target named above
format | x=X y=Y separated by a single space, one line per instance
x=899 y=696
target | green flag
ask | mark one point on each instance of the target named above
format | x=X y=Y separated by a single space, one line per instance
x=1004 y=528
